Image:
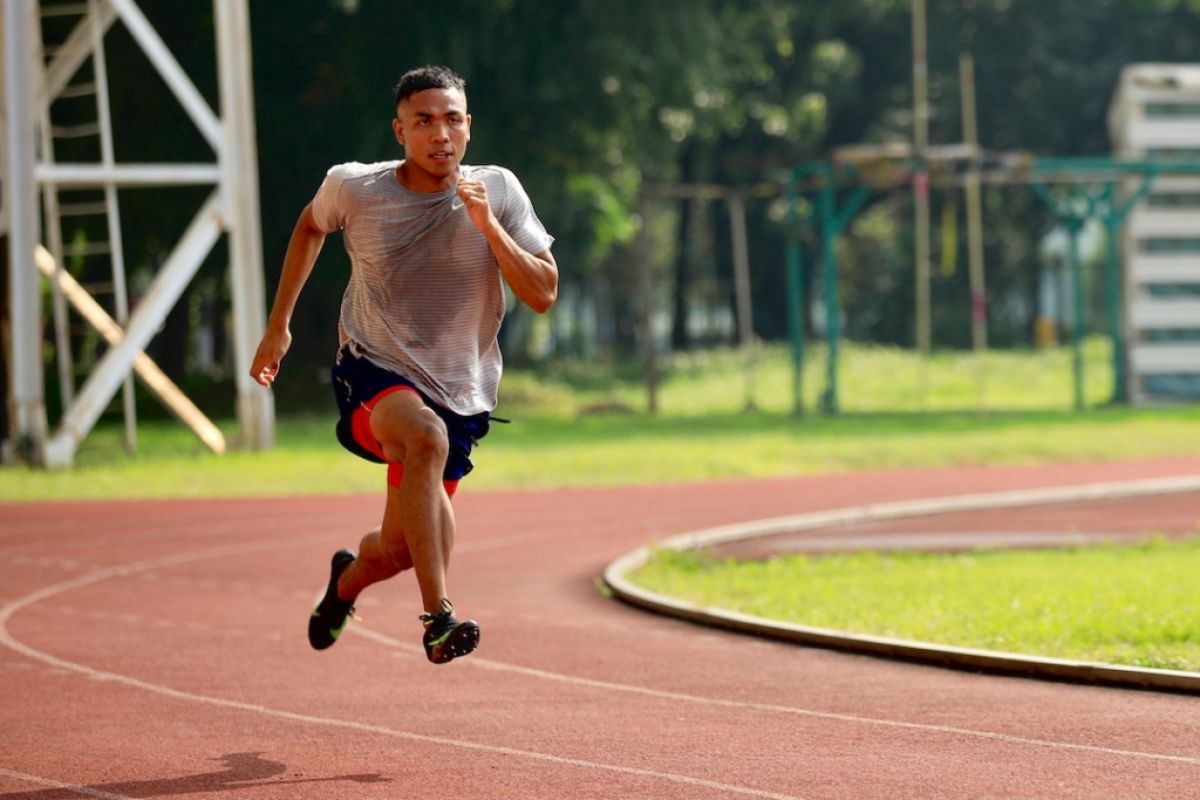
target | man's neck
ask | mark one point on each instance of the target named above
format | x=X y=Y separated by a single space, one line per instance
x=418 y=180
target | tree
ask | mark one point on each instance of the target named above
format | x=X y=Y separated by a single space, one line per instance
x=590 y=102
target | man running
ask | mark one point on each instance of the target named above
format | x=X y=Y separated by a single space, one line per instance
x=432 y=241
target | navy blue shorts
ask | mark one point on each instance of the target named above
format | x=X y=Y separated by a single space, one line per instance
x=358 y=384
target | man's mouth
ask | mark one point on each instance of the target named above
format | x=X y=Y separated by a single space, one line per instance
x=441 y=155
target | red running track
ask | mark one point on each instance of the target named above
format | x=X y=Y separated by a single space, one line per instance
x=157 y=650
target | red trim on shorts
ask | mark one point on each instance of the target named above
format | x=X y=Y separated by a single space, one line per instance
x=395 y=476
x=360 y=421
x=360 y=429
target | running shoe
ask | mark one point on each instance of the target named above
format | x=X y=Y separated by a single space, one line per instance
x=445 y=637
x=329 y=618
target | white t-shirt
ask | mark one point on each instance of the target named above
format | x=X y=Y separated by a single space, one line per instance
x=425 y=297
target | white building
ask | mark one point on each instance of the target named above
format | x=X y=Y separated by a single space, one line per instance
x=1155 y=115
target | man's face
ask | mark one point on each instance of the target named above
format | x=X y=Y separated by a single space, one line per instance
x=434 y=127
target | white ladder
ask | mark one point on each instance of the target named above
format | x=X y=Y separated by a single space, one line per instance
x=84 y=102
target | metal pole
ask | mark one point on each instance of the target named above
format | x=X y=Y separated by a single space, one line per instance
x=1074 y=225
x=113 y=211
x=154 y=378
x=52 y=230
x=26 y=390
x=173 y=75
x=1112 y=292
x=924 y=324
x=239 y=173
x=646 y=286
x=966 y=68
x=827 y=199
x=920 y=79
x=144 y=322
x=1114 y=218
x=741 y=276
x=795 y=301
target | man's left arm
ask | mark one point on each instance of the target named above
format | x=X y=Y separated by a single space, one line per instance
x=532 y=277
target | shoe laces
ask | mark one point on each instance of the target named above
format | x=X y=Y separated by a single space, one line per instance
x=446 y=611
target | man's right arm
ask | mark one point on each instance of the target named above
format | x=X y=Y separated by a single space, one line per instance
x=302 y=251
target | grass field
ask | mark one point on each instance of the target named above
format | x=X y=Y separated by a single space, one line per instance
x=582 y=424
x=1079 y=603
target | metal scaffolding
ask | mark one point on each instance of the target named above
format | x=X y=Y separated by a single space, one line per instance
x=36 y=76
x=1074 y=190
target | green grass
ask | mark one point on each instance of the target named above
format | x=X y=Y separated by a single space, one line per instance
x=584 y=424
x=544 y=452
x=581 y=424
x=870 y=379
x=1079 y=603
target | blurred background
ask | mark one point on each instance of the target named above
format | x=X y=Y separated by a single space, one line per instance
x=631 y=124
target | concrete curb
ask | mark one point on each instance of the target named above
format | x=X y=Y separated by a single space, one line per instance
x=925 y=652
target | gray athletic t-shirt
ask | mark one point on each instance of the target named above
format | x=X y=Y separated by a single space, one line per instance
x=426 y=296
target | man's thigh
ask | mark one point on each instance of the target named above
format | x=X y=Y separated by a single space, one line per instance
x=402 y=419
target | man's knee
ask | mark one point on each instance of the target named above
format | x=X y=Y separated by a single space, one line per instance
x=428 y=442
x=410 y=436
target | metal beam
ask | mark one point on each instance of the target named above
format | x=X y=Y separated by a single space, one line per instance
x=154 y=378
x=176 y=79
x=74 y=51
x=113 y=216
x=145 y=321
x=3 y=134
x=239 y=170
x=77 y=176
x=26 y=394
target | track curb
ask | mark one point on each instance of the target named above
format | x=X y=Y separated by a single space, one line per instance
x=903 y=649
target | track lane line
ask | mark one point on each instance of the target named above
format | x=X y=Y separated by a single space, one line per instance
x=480 y=662
x=68 y=787
x=6 y=638
x=10 y=608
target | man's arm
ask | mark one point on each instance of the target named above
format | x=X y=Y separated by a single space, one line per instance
x=302 y=251
x=533 y=278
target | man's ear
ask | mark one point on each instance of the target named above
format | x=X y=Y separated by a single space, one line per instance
x=398 y=129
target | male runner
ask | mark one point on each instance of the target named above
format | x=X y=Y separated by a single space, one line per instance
x=431 y=242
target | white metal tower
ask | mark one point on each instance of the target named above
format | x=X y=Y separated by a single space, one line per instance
x=36 y=75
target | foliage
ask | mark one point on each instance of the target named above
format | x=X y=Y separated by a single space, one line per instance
x=595 y=101
x=580 y=423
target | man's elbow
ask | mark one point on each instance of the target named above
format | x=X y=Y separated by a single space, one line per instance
x=544 y=301
x=545 y=286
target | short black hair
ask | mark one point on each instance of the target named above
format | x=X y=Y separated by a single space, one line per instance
x=429 y=76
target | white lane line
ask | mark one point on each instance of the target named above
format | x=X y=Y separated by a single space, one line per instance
x=7 y=639
x=70 y=787
x=500 y=666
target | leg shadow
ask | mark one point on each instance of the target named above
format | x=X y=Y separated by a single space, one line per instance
x=241 y=771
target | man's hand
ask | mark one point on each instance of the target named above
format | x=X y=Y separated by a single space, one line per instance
x=271 y=350
x=474 y=196
x=532 y=277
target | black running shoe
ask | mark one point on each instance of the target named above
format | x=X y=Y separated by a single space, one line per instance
x=329 y=618
x=445 y=637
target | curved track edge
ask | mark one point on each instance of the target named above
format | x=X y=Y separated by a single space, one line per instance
x=903 y=649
